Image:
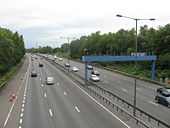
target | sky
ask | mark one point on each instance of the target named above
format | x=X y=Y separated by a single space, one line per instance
x=44 y=22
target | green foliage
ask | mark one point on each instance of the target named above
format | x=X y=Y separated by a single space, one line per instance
x=11 y=49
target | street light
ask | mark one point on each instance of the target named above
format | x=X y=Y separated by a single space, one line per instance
x=136 y=50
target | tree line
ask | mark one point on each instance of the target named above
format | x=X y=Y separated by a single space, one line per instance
x=150 y=41
x=12 y=49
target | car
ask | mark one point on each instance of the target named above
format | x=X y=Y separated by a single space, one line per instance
x=60 y=59
x=40 y=65
x=163 y=98
x=67 y=65
x=74 y=69
x=89 y=67
x=33 y=74
x=49 y=80
x=95 y=72
x=94 y=78
x=165 y=90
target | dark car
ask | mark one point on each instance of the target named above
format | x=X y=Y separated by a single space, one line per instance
x=163 y=99
x=67 y=65
x=165 y=90
x=33 y=74
x=40 y=65
x=95 y=72
x=89 y=67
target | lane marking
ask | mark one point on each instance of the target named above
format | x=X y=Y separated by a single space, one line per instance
x=50 y=112
x=23 y=101
x=45 y=95
x=19 y=127
x=57 y=84
x=42 y=85
x=77 y=109
x=96 y=101
x=20 y=121
x=21 y=114
x=24 y=98
x=152 y=103
x=40 y=78
x=26 y=75
x=22 y=109
x=124 y=90
x=22 y=105
x=139 y=89
x=65 y=93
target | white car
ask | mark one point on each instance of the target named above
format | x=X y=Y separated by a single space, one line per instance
x=74 y=69
x=60 y=59
x=49 y=80
x=94 y=78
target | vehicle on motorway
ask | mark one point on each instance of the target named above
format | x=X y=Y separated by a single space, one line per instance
x=40 y=65
x=94 y=78
x=165 y=90
x=60 y=59
x=33 y=74
x=74 y=69
x=89 y=67
x=163 y=98
x=95 y=72
x=49 y=80
x=67 y=65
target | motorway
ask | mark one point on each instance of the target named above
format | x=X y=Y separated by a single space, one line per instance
x=62 y=105
x=123 y=87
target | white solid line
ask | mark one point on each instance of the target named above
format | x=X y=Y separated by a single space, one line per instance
x=22 y=109
x=124 y=90
x=20 y=121
x=21 y=114
x=50 y=112
x=42 y=85
x=139 y=89
x=65 y=93
x=22 y=105
x=152 y=103
x=26 y=74
x=45 y=95
x=77 y=109
x=97 y=102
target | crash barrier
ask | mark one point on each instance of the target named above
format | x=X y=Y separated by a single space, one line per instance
x=110 y=103
x=2 y=84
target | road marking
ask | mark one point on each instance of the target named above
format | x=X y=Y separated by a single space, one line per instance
x=7 y=118
x=65 y=93
x=24 y=95
x=24 y=98
x=22 y=105
x=139 y=89
x=50 y=112
x=40 y=78
x=77 y=109
x=57 y=84
x=42 y=85
x=23 y=101
x=124 y=90
x=45 y=95
x=20 y=121
x=152 y=103
x=19 y=127
x=21 y=114
x=22 y=109
x=96 y=101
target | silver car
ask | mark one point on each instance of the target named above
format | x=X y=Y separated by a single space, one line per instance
x=94 y=78
x=49 y=80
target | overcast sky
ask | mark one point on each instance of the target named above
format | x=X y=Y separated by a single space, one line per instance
x=44 y=21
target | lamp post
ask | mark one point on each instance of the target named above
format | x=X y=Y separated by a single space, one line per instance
x=68 y=49
x=136 y=50
x=85 y=66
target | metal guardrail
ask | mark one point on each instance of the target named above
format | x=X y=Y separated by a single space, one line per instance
x=2 y=84
x=138 y=121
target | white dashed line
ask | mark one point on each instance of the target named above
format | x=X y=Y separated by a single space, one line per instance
x=45 y=95
x=139 y=89
x=57 y=84
x=65 y=93
x=40 y=78
x=23 y=98
x=77 y=109
x=50 y=112
x=22 y=105
x=22 y=109
x=42 y=85
x=20 y=121
x=23 y=101
x=19 y=127
x=124 y=90
x=152 y=103
x=21 y=114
